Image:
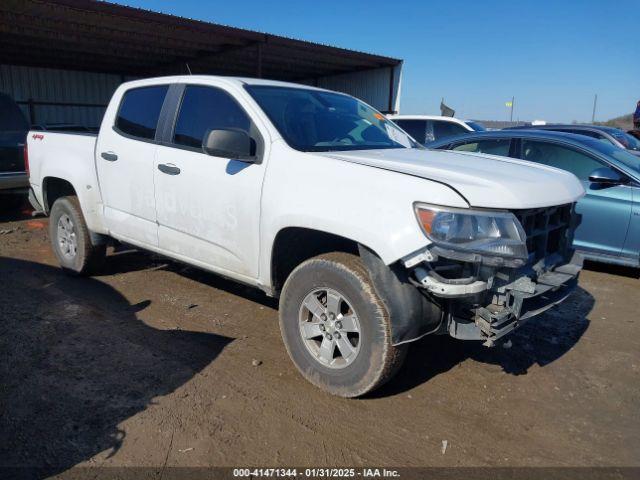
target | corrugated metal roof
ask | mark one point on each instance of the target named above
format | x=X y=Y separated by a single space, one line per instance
x=104 y=37
x=260 y=32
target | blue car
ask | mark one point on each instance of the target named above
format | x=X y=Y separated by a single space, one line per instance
x=614 y=136
x=610 y=225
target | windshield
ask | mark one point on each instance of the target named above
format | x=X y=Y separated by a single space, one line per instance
x=476 y=126
x=627 y=140
x=318 y=121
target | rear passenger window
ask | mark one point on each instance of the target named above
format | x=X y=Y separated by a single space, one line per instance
x=492 y=147
x=204 y=109
x=140 y=110
x=416 y=128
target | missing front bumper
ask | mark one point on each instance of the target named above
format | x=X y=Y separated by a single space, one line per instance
x=514 y=303
x=493 y=302
x=493 y=325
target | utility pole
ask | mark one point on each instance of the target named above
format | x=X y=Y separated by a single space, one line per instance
x=513 y=100
x=595 y=102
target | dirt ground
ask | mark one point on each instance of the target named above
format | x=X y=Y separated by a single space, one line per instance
x=152 y=364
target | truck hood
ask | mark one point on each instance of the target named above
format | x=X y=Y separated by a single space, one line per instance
x=483 y=180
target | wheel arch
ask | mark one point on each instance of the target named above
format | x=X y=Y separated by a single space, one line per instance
x=293 y=245
x=412 y=312
x=54 y=188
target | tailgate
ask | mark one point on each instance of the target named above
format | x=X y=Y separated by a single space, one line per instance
x=11 y=152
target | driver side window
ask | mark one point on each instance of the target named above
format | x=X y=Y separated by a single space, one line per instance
x=416 y=128
x=558 y=156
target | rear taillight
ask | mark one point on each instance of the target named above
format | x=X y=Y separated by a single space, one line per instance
x=25 y=151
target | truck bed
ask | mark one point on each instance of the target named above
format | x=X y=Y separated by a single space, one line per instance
x=66 y=157
x=50 y=153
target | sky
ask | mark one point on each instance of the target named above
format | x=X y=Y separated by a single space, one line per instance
x=552 y=56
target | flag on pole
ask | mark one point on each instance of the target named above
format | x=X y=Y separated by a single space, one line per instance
x=446 y=111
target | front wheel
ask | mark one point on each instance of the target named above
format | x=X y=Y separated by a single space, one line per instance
x=70 y=238
x=335 y=327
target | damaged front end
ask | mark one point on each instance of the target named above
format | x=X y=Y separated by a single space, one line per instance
x=485 y=295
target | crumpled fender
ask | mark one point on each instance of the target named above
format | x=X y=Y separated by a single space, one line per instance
x=411 y=312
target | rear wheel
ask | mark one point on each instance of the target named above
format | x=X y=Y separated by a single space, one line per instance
x=336 y=329
x=70 y=238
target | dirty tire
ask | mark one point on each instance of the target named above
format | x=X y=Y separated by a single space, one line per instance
x=88 y=258
x=377 y=360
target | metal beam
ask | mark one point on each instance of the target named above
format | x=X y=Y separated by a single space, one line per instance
x=259 y=61
x=391 y=82
x=56 y=11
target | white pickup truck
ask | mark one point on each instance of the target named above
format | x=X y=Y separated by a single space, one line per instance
x=369 y=240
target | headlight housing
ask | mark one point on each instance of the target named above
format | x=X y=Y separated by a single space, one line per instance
x=479 y=231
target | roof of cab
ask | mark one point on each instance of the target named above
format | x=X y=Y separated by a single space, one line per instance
x=230 y=80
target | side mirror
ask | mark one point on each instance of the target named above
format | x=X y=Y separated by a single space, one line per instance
x=230 y=143
x=607 y=176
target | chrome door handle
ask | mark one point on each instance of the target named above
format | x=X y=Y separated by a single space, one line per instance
x=169 y=169
x=109 y=156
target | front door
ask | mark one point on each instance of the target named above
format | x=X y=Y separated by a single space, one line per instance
x=605 y=210
x=208 y=207
x=632 y=244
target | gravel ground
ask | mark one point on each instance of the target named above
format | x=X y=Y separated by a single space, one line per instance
x=156 y=364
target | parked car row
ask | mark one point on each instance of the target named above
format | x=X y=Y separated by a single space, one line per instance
x=606 y=160
x=609 y=135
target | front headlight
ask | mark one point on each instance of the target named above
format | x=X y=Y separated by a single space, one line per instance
x=484 y=232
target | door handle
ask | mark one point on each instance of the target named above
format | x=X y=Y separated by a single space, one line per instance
x=169 y=169
x=109 y=156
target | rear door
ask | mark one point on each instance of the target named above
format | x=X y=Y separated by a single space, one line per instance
x=209 y=207
x=632 y=244
x=605 y=210
x=125 y=163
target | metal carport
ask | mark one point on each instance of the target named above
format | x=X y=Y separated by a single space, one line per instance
x=62 y=59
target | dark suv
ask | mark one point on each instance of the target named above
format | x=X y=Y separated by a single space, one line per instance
x=14 y=179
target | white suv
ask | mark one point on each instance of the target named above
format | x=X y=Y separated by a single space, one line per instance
x=428 y=128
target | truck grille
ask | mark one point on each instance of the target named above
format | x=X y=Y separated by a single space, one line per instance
x=548 y=230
